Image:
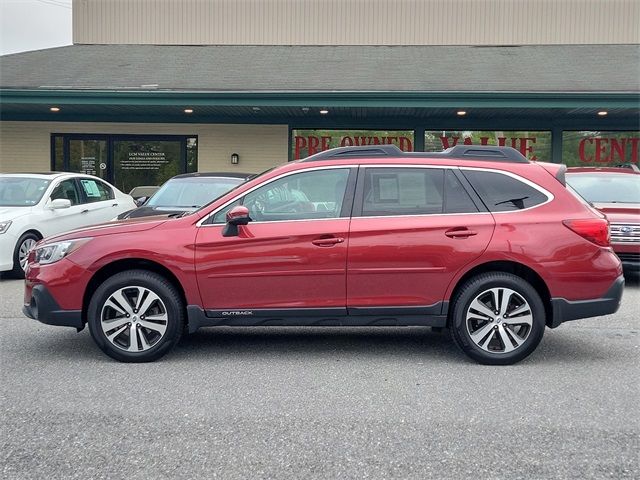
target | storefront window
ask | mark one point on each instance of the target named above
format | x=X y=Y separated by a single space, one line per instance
x=192 y=154
x=58 y=153
x=127 y=161
x=308 y=142
x=588 y=148
x=533 y=145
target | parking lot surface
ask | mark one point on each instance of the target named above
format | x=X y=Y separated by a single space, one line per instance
x=320 y=403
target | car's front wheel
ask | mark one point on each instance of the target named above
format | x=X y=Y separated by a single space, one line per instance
x=136 y=316
x=21 y=252
x=498 y=318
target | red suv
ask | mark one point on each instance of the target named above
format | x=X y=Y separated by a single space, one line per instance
x=476 y=239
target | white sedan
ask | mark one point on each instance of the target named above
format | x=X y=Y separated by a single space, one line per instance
x=38 y=205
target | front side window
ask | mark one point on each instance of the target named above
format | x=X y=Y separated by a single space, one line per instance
x=67 y=190
x=301 y=196
x=402 y=191
x=502 y=193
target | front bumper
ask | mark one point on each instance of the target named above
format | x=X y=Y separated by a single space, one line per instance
x=7 y=246
x=565 y=310
x=43 y=307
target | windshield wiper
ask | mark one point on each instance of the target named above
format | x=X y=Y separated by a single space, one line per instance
x=517 y=202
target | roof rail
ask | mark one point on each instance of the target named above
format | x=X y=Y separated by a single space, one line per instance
x=355 y=152
x=459 y=152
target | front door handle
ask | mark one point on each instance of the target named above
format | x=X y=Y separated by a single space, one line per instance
x=86 y=210
x=327 y=242
x=460 y=232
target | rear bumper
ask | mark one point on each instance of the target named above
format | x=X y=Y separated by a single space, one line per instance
x=43 y=307
x=565 y=310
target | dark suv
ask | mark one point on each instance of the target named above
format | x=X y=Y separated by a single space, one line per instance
x=476 y=239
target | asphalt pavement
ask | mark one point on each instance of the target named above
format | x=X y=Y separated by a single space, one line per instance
x=324 y=403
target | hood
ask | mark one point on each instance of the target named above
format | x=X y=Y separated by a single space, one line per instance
x=111 y=228
x=151 y=211
x=11 y=213
x=620 y=212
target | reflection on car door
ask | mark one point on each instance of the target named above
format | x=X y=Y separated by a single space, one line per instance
x=412 y=230
x=291 y=256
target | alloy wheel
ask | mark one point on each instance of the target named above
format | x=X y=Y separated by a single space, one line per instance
x=499 y=320
x=23 y=252
x=134 y=318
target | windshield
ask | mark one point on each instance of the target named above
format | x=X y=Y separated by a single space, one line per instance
x=606 y=187
x=192 y=192
x=21 y=191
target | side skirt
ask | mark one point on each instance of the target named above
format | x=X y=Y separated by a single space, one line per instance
x=429 y=316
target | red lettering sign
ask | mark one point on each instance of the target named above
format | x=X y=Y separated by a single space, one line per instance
x=608 y=150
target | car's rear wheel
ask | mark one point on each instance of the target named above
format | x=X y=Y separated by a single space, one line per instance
x=21 y=252
x=136 y=316
x=497 y=319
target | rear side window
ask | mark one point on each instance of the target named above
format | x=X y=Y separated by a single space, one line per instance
x=402 y=191
x=95 y=191
x=502 y=193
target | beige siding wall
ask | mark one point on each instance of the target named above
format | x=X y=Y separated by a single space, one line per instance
x=26 y=146
x=356 y=22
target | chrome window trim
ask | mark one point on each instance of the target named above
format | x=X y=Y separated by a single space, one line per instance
x=286 y=174
x=546 y=193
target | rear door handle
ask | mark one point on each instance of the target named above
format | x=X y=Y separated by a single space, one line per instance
x=327 y=242
x=460 y=233
x=114 y=205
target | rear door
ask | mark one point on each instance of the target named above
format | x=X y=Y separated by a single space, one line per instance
x=99 y=200
x=412 y=229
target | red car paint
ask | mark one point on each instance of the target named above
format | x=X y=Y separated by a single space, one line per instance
x=343 y=262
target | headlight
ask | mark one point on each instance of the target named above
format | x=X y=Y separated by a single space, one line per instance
x=52 y=252
x=4 y=226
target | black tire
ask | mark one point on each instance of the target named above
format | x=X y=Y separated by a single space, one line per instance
x=169 y=304
x=17 y=271
x=493 y=350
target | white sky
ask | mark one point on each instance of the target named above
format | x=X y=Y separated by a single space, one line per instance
x=34 y=24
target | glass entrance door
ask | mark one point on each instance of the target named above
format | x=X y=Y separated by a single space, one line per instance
x=145 y=162
x=89 y=156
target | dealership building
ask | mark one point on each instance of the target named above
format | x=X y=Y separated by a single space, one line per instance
x=150 y=89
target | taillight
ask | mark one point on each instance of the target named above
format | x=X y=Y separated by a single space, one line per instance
x=595 y=230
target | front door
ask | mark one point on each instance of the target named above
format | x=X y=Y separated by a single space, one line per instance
x=291 y=256
x=412 y=230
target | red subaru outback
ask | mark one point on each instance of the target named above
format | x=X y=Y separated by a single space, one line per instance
x=476 y=239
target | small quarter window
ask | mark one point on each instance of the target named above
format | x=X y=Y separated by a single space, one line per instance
x=502 y=193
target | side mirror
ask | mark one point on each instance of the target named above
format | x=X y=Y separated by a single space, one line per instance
x=60 y=203
x=238 y=215
x=140 y=201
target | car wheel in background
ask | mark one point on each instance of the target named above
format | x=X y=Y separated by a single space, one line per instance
x=497 y=319
x=24 y=244
x=136 y=316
